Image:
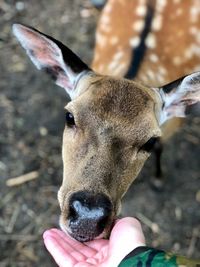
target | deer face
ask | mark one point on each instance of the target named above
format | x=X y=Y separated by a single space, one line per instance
x=111 y=126
x=103 y=151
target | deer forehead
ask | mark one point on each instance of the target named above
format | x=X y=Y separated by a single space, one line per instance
x=118 y=104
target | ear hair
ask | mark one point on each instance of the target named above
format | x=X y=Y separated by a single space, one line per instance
x=176 y=96
x=51 y=55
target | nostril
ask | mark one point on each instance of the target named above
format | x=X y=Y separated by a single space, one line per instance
x=72 y=213
x=75 y=210
x=102 y=223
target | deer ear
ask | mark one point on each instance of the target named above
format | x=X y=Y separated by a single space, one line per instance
x=179 y=94
x=52 y=56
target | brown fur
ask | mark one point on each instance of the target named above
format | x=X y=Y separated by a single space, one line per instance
x=121 y=115
x=114 y=118
x=174 y=41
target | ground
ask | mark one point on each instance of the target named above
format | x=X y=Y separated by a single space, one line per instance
x=32 y=120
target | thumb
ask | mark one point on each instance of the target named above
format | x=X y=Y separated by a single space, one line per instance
x=126 y=235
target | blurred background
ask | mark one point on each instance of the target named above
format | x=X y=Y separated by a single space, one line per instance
x=31 y=124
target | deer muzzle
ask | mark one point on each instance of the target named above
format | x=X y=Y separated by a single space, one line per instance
x=89 y=215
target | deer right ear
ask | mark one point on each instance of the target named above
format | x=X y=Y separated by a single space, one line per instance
x=51 y=55
x=179 y=94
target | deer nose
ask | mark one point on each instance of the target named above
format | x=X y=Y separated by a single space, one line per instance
x=88 y=215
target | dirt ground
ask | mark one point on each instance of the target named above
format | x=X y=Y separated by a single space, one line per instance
x=31 y=124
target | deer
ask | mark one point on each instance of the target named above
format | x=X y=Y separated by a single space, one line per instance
x=143 y=46
x=140 y=80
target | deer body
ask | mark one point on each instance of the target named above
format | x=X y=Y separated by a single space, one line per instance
x=152 y=41
x=112 y=124
x=168 y=49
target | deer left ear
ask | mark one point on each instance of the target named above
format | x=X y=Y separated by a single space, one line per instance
x=51 y=55
x=179 y=94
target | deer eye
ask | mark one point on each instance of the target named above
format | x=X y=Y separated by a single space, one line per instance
x=149 y=145
x=69 y=118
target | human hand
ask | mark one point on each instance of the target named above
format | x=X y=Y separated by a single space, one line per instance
x=126 y=235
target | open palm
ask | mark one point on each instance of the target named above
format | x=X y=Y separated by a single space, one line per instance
x=67 y=252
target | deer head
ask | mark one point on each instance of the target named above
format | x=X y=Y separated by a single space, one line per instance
x=111 y=126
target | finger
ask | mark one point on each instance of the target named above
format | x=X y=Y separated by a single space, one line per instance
x=92 y=261
x=130 y=229
x=61 y=257
x=97 y=244
x=85 y=264
x=78 y=246
x=101 y=255
x=66 y=245
x=126 y=236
